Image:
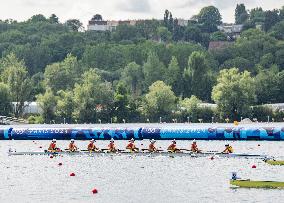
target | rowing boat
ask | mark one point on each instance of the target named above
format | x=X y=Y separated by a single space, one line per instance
x=143 y=153
x=257 y=184
x=275 y=162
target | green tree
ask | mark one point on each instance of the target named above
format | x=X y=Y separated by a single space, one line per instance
x=200 y=75
x=121 y=103
x=153 y=69
x=92 y=98
x=53 y=19
x=133 y=77
x=241 y=14
x=74 y=24
x=218 y=36
x=16 y=77
x=173 y=75
x=164 y=34
x=209 y=17
x=65 y=106
x=234 y=93
x=159 y=102
x=5 y=100
x=62 y=75
x=268 y=82
x=190 y=108
x=270 y=19
x=47 y=102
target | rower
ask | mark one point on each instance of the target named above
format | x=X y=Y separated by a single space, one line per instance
x=173 y=147
x=131 y=146
x=52 y=146
x=228 y=149
x=152 y=147
x=72 y=147
x=92 y=146
x=111 y=146
x=194 y=147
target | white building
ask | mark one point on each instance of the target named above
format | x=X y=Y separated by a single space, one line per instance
x=29 y=108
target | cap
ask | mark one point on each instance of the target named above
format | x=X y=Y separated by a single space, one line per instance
x=53 y=140
x=92 y=140
x=72 y=140
x=131 y=140
x=194 y=141
x=111 y=140
x=226 y=145
x=152 y=141
x=174 y=140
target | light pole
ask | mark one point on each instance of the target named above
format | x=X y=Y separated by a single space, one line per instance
x=64 y=120
x=267 y=119
x=100 y=121
x=160 y=119
x=212 y=119
x=187 y=119
x=123 y=120
x=111 y=120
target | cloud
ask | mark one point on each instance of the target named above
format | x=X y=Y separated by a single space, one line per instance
x=136 y=6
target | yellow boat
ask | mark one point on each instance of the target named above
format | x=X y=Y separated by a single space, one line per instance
x=257 y=184
x=275 y=162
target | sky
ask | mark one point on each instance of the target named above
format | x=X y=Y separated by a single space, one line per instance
x=83 y=10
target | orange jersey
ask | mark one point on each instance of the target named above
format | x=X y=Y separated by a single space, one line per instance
x=52 y=146
x=111 y=146
x=131 y=146
x=194 y=147
x=72 y=147
x=152 y=147
x=91 y=146
x=172 y=147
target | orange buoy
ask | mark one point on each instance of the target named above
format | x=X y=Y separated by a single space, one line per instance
x=94 y=191
x=59 y=164
x=72 y=174
x=253 y=166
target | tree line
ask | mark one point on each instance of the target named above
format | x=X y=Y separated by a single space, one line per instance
x=145 y=72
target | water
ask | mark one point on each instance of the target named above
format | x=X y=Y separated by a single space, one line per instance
x=136 y=179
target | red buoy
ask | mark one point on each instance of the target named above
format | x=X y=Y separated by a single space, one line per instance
x=94 y=191
x=51 y=157
x=59 y=164
x=253 y=166
x=40 y=147
x=258 y=145
x=72 y=174
x=212 y=157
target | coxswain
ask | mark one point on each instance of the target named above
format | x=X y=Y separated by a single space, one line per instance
x=52 y=146
x=111 y=146
x=92 y=146
x=194 y=147
x=72 y=147
x=228 y=149
x=173 y=147
x=131 y=146
x=152 y=147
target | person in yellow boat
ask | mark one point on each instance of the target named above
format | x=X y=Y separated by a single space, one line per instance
x=173 y=147
x=53 y=147
x=131 y=146
x=92 y=146
x=228 y=149
x=152 y=147
x=111 y=146
x=194 y=147
x=72 y=147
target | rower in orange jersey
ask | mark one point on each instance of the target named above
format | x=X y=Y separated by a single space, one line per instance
x=228 y=149
x=152 y=147
x=92 y=146
x=53 y=147
x=111 y=146
x=131 y=146
x=72 y=147
x=194 y=147
x=173 y=147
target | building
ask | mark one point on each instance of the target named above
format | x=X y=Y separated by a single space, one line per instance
x=29 y=108
x=232 y=30
x=217 y=45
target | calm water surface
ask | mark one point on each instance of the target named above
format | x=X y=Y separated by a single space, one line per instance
x=136 y=179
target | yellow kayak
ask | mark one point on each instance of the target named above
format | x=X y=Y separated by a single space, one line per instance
x=275 y=162
x=257 y=184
